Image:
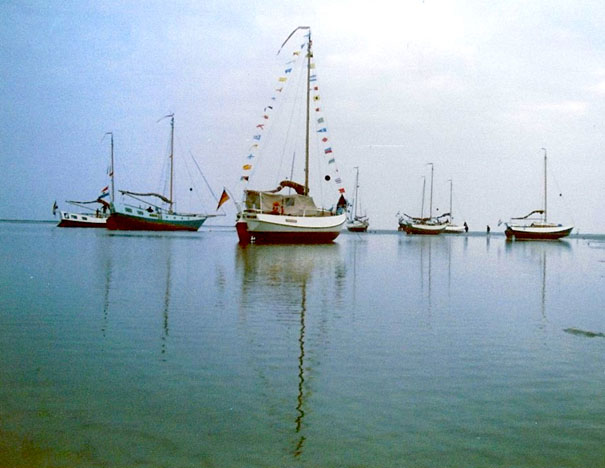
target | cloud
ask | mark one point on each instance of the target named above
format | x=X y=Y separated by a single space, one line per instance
x=599 y=88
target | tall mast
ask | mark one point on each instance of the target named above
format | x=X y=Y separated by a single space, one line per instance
x=545 y=199
x=171 y=154
x=431 y=199
x=309 y=55
x=451 y=186
x=356 y=190
x=111 y=167
x=423 y=190
x=171 y=157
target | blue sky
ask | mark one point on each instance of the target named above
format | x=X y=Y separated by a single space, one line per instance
x=475 y=87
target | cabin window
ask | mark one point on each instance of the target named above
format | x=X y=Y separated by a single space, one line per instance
x=140 y=212
x=65 y=215
x=289 y=201
x=74 y=217
x=128 y=210
x=84 y=218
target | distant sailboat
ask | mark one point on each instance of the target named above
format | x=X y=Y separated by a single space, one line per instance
x=422 y=225
x=98 y=209
x=452 y=228
x=536 y=228
x=268 y=216
x=356 y=222
x=157 y=214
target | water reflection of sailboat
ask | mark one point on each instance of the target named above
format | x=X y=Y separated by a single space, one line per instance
x=537 y=255
x=281 y=280
x=166 y=299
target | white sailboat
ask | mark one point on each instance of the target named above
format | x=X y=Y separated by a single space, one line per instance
x=357 y=222
x=97 y=211
x=425 y=226
x=452 y=228
x=278 y=216
x=530 y=227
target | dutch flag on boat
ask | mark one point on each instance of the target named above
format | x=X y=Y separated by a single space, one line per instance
x=104 y=192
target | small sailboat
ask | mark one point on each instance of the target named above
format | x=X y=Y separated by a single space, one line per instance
x=154 y=211
x=535 y=225
x=425 y=226
x=357 y=222
x=97 y=211
x=452 y=228
x=278 y=215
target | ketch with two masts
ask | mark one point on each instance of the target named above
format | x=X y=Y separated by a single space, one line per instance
x=424 y=226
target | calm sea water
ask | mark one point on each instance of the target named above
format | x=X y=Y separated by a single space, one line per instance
x=381 y=350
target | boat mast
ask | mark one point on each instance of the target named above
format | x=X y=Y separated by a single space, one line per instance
x=545 y=199
x=431 y=199
x=171 y=157
x=111 y=168
x=423 y=191
x=309 y=55
x=356 y=189
x=451 y=186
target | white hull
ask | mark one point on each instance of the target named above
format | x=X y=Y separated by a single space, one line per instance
x=537 y=231
x=454 y=229
x=358 y=225
x=69 y=219
x=421 y=228
x=261 y=227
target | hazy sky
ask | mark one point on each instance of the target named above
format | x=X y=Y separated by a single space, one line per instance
x=475 y=87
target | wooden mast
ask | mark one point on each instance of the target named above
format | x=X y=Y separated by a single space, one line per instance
x=431 y=198
x=451 y=187
x=308 y=118
x=423 y=191
x=171 y=157
x=112 y=183
x=111 y=167
x=545 y=193
x=355 y=202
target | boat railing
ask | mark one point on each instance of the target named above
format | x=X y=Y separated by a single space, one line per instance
x=316 y=212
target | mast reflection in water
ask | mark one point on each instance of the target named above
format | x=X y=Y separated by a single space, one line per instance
x=276 y=278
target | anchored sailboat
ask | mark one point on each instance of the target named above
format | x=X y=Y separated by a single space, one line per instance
x=422 y=225
x=531 y=227
x=97 y=210
x=156 y=212
x=452 y=228
x=357 y=222
x=276 y=216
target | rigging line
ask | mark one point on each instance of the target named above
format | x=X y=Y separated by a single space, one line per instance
x=567 y=210
x=278 y=107
x=203 y=176
x=294 y=109
x=192 y=183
